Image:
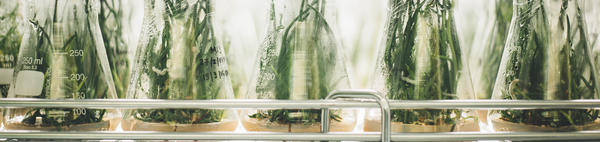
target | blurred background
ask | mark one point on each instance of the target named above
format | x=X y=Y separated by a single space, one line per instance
x=358 y=25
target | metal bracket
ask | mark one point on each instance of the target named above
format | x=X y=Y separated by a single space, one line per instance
x=386 y=132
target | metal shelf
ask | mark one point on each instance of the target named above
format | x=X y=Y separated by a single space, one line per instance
x=366 y=99
x=366 y=136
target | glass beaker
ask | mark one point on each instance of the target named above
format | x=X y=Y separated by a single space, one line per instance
x=179 y=58
x=421 y=59
x=299 y=60
x=61 y=57
x=10 y=40
x=547 y=57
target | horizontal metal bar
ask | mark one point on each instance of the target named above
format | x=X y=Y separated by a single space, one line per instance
x=205 y=104
x=190 y=136
x=301 y=104
x=494 y=104
x=367 y=136
x=514 y=136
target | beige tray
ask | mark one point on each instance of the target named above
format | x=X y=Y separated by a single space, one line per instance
x=482 y=115
x=99 y=126
x=137 y=125
x=470 y=125
x=262 y=125
x=501 y=125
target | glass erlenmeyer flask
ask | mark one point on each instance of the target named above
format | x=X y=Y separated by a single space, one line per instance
x=421 y=59
x=111 y=19
x=179 y=58
x=61 y=57
x=10 y=39
x=300 y=60
x=547 y=57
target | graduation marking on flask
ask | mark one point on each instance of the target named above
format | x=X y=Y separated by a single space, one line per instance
x=31 y=63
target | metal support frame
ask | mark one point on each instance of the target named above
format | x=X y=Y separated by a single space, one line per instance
x=346 y=136
x=386 y=129
x=307 y=104
x=300 y=104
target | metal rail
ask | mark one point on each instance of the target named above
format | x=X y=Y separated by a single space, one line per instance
x=307 y=104
x=302 y=104
x=199 y=104
x=347 y=136
x=386 y=129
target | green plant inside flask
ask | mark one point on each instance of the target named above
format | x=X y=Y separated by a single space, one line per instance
x=547 y=57
x=300 y=60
